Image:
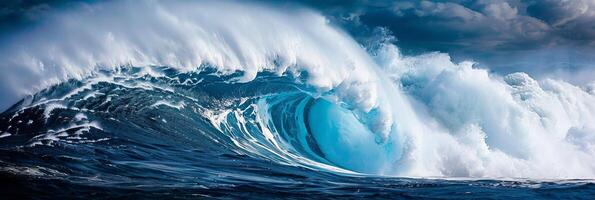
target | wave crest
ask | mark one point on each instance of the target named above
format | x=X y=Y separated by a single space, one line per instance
x=289 y=87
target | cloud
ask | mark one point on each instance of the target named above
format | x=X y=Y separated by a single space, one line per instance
x=15 y=14
x=505 y=35
x=557 y=12
x=501 y=10
x=494 y=25
x=572 y=20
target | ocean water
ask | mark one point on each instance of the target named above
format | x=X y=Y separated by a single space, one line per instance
x=125 y=134
x=181 y=101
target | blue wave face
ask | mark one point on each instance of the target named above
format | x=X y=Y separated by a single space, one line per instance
x=271 y=118
x=197 y=132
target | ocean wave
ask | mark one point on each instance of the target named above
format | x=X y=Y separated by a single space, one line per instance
x=280 y=86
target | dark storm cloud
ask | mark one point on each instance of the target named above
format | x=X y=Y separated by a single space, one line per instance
x=12 y=12
x=506 y=35
x=493 y=24
x=573 y=20
x=446 y=25
x=15 y=14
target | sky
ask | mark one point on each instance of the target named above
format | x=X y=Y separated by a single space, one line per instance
x=545 y=38
x=541 y=37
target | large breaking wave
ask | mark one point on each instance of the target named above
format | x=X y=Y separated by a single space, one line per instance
x=280 y=85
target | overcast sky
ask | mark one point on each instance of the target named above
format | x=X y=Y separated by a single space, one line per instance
x=542 y=37
x=536 y=36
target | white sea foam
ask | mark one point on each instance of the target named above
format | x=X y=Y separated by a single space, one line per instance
x=180 y=105
x=484 y=125
x=5 y=134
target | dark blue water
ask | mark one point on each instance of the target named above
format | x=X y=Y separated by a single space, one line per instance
x=197 y=135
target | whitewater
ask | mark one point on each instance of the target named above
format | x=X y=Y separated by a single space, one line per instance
x=281 y=86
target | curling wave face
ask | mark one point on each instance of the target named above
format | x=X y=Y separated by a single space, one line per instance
x=278 y=86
